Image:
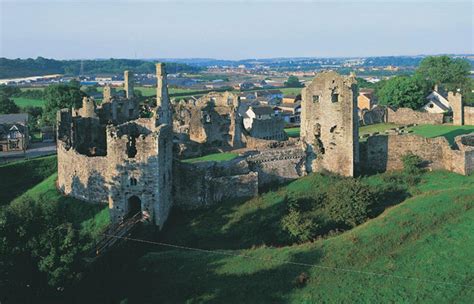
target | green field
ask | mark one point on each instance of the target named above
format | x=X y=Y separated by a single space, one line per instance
x=381 y=127
x=23 y=102
x=448 y=131
x=291 y=91
x=419 y=250
x=217 y=157
x=293 y=132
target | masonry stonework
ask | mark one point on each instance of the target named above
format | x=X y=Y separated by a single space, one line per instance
x=406 y=116
x=329 y=124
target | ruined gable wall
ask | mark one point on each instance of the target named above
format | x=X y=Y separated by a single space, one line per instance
x=330 y=129
x=406 y=116
x=468 y=116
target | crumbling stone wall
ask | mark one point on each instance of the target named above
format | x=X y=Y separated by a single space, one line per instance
x=278 y=165
x=132 y=171
x=212 y=120
x=374 y=116
x=329 y=123
x=384 y=153
x=468 y=116
x=406 y=116
x=269 y=129
x=208 y=183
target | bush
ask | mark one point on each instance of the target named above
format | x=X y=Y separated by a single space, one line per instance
x=349 y=202
x=412 y=168
x=300 y=228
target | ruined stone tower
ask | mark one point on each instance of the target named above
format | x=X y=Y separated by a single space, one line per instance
x=164 y=112
x=455 y=100
x=128 y=84
x=107 y=93
x=329 y=124
x=109 y=154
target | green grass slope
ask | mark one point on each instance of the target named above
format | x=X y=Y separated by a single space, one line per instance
x=17 y=177
x=418 y=251
x=217 y=157
x=92 y=219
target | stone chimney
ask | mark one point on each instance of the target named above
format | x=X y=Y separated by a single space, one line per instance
x=128 y=84
x=455 y=101
x=162 y=98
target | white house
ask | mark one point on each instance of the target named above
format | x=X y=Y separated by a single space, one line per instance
x=437 y=102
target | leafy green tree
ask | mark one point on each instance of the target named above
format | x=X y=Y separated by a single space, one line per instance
x=59 y=96
x=404 y=91
x=9 y=91
x=7 y=106
x=38 y=247
x=293 y=82
x=349 y=201
x=445 y=70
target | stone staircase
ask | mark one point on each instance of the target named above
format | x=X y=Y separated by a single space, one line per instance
x=114 y=235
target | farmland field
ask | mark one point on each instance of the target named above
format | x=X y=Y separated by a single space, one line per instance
x=23 y=102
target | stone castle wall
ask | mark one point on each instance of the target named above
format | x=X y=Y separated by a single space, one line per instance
x=406 y=116
x=208 y=183
x=468 y=116
x=384 y=153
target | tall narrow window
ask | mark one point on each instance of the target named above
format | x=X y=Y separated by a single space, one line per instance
x=133 y=181
x=335 y=97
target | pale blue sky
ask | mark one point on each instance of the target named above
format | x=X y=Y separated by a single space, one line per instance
x=233 y=29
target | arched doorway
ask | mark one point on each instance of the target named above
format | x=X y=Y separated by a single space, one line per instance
x=134 y=205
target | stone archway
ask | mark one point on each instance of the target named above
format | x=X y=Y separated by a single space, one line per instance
x=134 y=205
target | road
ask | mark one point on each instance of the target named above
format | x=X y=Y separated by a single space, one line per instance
x=35 y=150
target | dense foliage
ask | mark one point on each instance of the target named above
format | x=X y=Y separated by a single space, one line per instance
x=7 y=106
x=293 y=82
x=59 y=96
x=12 y=68
x=444 y=70
x=404 y=91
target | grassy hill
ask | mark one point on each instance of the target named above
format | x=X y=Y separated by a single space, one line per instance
x=17 y=177
x=418 y=251
x=91 y=218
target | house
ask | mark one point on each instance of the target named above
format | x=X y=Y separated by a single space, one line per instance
x=437 y=102
x=262 y=122
x=291 y=98
x=366 y=99
x=290 y=112
x=14 y=134
x=246 y=85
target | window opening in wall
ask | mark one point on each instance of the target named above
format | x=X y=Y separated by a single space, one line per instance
x=133 y=181
x=315 y=98
x=334 y=97
x=333 y=128
x=131 y=147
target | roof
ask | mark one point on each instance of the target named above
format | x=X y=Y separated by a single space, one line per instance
x=13 y=118
x=262 y=110
x=293 y=105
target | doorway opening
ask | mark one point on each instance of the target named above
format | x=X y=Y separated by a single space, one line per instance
x=134 y=206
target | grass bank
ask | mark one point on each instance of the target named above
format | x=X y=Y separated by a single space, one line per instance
x=217 y=157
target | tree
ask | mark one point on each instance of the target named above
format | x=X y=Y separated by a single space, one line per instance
x=349 y=201
x=293 y=82
x=452 y=72
x=404 y=91
x=59 y=96
x=7 y=106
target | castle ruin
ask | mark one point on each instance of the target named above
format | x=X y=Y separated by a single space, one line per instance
x=110 y=154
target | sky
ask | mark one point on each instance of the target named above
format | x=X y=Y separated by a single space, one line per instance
x=75 y=29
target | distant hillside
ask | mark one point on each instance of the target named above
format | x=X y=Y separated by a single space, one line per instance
x=14 y=68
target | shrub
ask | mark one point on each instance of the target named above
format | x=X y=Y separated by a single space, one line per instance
x=412 y=168
x=301 y=228
x=349 y=201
